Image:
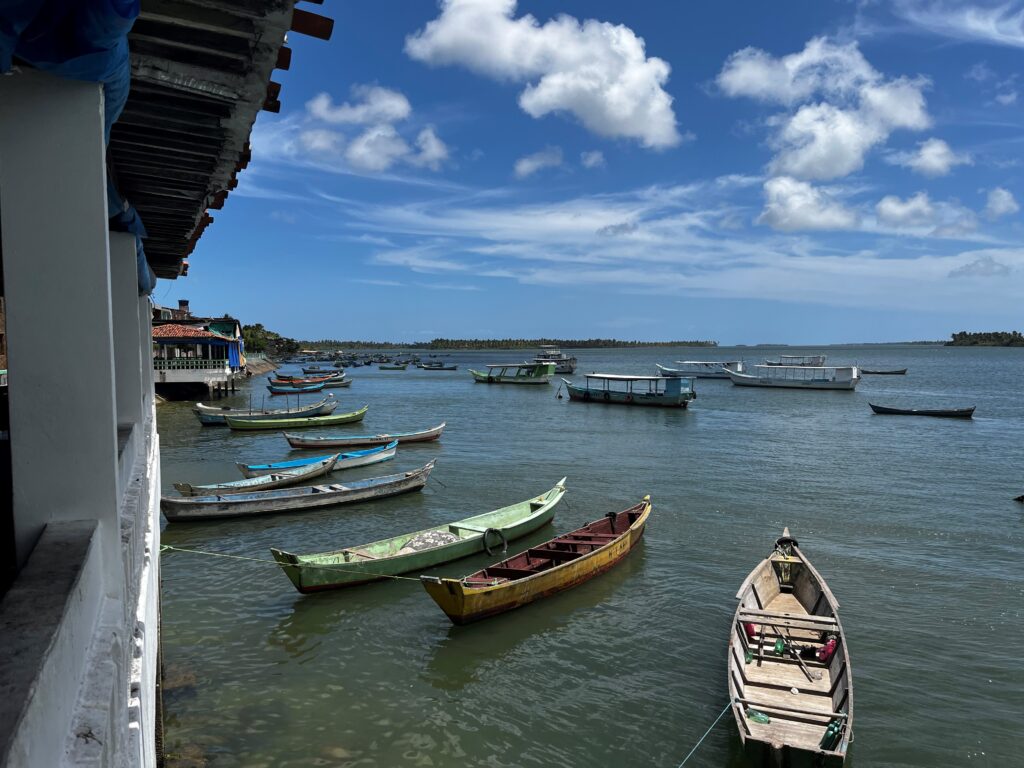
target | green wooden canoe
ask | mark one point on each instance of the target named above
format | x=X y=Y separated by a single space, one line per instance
x=241 y=422
x=420 y=550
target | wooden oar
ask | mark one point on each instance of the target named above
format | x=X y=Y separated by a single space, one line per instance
x=796 y=655
x=760 y=647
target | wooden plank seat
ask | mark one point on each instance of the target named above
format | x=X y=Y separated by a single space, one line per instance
x=828 y=620
x=787 y=621
x=483 y=581
x=511 y=573
x=792 y=710
x=554 y=554
x=321 y=489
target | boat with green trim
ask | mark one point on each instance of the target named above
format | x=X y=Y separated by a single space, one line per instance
x=311 y=421
x=515 y=373
x=209 y=414
x=420 y=550
x=614 y=389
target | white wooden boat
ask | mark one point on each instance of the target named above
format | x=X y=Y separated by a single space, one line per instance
x=515 y=373
x=815 y=361
x=702 y=369
x=790 y=680
x=549 y=353
x=614 y=389
x=214 y=415
x=798 y=377
x=350 y=441
x=346 y=460
x=183 y=509
x=277 y=479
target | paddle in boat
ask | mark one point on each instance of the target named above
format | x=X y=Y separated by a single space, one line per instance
x=341 y=461
x=311 y=421
x=702 y=369
x=790 y=680
x=211 y=415
x=798 y=377
x=815 y=361
x=947 y=413
x=422 y=549
x=277 y=479
x=515 y=373
x=893 y=372
x=292 y=499
x=275 y=390
x=663 y=391
x=350 y=441
x=543 y=570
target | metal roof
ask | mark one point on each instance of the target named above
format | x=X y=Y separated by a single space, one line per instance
x=200 y=74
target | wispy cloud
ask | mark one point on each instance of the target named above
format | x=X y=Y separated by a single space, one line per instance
x=1000 y=23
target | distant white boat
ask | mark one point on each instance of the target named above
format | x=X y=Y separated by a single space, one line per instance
x=549 y=353
x=799 y=377
x=815 y=361
x=702 y=369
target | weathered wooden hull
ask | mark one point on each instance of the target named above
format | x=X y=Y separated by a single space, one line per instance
x=391 y=367
x=337 y=383
x=265 y=482
x=292 y=499
x=464 y=604
x=610 y=397
x=215 y=416
x=312 y=421
x=350 y=567
x=342 y=461
x=294 y=390
x=352 y=441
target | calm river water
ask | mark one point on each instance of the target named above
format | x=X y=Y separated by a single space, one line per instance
x=911 y=521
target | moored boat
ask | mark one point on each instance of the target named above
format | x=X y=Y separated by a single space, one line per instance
x=437 y=366
x=515 y=373
x=702 y=369
x=386 y=367
x=316 y=369
x=798 y=377
x=346 y=460
x=276 y=479
x=311 y=421
x=947 y=413
x=349 y=441
x=208 y=414
x=543 y=570
x=614 y=389
x=420 y=550
x=337 y=382
x=293 y=499
x=893 y=372
x=290 y=390
x=815 y=361
x=550 y=353
x=790 y=680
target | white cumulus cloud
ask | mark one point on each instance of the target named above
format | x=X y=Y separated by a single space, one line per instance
x=842 y=107
x=432 y=151
x=370 y=104
x=1000 y=203
x=549 y=157
x=593 y=159
x=915 y=211
x=933 y=157
x=596 y=71
x=791 y=204
x=377 y=148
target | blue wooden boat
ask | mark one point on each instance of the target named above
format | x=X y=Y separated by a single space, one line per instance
x=294 y=390
x=341 y=461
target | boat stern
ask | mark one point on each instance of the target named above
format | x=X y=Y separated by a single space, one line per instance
x=290 y=565
x=449 y=596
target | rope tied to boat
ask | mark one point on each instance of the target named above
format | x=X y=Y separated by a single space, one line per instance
x=169 y=548
x=701 y=740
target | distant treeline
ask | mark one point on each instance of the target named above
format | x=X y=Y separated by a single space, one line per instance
x=987 y=339
x=324 y=344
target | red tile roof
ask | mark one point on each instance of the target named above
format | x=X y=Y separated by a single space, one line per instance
x=177 y=331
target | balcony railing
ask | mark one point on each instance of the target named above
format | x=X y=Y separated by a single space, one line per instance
x=189 y=364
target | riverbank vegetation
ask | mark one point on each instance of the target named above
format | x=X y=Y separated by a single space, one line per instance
x=259 y=339
x=324 y=344
x=987 y=339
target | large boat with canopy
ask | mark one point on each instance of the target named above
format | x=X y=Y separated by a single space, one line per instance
x=515 y=373
x=549 y=353
x=799 y=377
x=616 y=389
x=815 y=361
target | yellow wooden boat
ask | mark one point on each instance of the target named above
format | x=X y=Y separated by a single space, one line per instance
x=546 y=569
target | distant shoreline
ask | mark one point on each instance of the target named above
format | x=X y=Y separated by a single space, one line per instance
x=485 y=344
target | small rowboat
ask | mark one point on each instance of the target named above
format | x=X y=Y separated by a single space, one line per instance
x=208 y=414
x=292 y=499
x=893 y=372
x=283 y=382
x=424 y=435
x=337 y=382
x=950 y=413
x=312 y=421
x=790 y=680
x=342 y=461
x=274 y=390
x=384 y=367
x=420 y=550
x=551 y=567
x=278 y=479
x=316 y=369
x=438 y=367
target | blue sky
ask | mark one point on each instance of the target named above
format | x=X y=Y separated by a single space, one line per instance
x=798 y=172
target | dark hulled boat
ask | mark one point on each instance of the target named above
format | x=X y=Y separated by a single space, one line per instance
x=948 y=413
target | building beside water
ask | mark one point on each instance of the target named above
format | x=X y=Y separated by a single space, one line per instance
x=116 y=142
x=191 y=353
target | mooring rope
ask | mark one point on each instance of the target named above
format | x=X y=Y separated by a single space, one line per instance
x=169 y=548
x=709 y=730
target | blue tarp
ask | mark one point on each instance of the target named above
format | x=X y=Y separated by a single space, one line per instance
x=233 y=358
x=81 y=40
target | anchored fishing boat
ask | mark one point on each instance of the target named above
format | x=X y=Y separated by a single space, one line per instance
x=662 y=391
x=211 y=415
x=386 y=367
x=350 y=441
x=546 y=569
x=276 y=479
x=893 y=372
x=292 y=499
x=290 y=390
x=515 y=373
x=702 y=369
x=947 y=413
x=550 y=353
x=295 y=423
x=420 y=550
x=815 y=361
x=346 y=460
x=798 y=377
x=437 y=366
x=790 y=681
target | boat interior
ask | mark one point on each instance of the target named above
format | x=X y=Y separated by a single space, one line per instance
x=787 y=660
x=558 y=551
